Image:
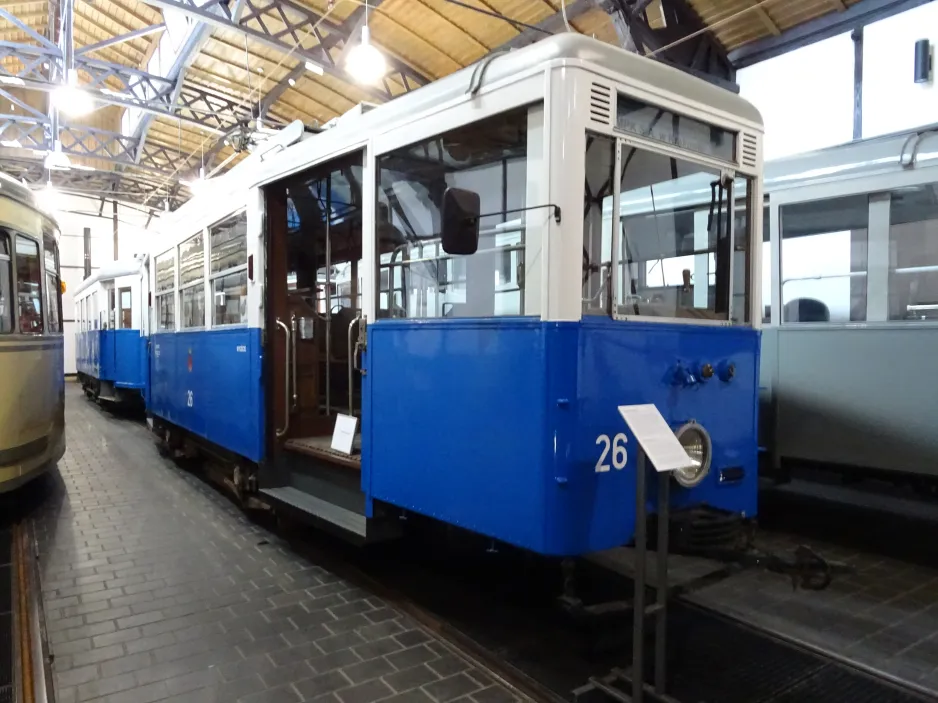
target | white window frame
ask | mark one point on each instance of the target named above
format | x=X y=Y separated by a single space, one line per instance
x=181 y=288
x=212 y=277
x=877 y=240
x=173 y=291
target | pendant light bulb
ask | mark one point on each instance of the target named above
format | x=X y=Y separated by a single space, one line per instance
x=365 y=63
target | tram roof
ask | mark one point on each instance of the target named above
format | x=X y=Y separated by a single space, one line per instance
x=863 y=157
x=112 y=270
x=13 y=189
x=565 y=46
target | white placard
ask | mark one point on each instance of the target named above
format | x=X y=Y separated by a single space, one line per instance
x=662 y=447
x=343 y=436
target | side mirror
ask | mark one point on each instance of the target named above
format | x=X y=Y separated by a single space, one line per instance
x=460 y=221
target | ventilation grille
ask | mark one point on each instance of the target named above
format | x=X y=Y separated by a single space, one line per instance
x=749 y=150
x=601 y=104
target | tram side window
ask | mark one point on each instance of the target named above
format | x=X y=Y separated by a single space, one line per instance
x=6 y=298
x=419 y=280
x=53 y=287
x=824 y=259
x=111 y=322
x=192 y=282
x=913 y=253
x=126 y=308
x=674 y=249
x=28 y=285
x=165 y=292
x=229 y=275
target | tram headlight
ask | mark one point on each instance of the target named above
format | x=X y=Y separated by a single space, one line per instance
x=696 y=442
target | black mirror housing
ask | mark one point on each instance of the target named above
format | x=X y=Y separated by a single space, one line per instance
x=460 y=221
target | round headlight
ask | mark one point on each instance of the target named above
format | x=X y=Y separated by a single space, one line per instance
x=696 y=442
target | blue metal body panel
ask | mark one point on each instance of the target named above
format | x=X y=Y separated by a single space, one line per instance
x=118 y=356
x=209 y=382
x=493 y=424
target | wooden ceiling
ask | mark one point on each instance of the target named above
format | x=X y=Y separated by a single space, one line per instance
x=434 y=37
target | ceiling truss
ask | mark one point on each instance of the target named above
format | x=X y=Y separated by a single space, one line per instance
x=34 y=131
x=299 y=32
x=155 y=193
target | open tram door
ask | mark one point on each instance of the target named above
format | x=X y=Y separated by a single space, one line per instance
x=315 y=330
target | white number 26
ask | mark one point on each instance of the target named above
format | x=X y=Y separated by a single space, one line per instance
x=619 y=454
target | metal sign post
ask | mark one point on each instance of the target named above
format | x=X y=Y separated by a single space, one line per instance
x=658 y=445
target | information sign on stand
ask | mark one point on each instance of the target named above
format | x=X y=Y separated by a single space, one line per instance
x=343 y=435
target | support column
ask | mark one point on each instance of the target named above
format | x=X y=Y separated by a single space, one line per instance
x=114 y=225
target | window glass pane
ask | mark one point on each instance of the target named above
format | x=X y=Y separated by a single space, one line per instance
x=28 y=286
x=6 y=288
x=913 y=253
x=824 y=260
x=674 y=250
x=597 y=223
x=166 y=311
x=191 y=260
x=53 y=292
x=327 y=201
x=654 y=122
x=164 y=272
x=49 y=253
x=230 y=294
x=766 y=267
x=418 y=279
x=193 y=307
x=229 y=243
x=126 y=309
x=742 y=276
x=111 y=309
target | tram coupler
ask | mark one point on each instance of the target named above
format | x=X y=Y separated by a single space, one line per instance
x=805 y=567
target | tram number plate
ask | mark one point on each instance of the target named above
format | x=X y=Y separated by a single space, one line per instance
x=612 y=449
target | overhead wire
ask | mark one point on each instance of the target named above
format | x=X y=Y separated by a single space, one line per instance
x=709 y=27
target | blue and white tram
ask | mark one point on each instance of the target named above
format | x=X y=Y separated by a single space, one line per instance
x=111 y=341
x=423 y=308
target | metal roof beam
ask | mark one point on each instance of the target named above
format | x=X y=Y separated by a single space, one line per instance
x=33 y=132
x=121 y=185
x=22 y=26
x=824 y=27
x=197 y=36
x=132 y=88
x=262 y=20
x=701 y=55
x=120 y=38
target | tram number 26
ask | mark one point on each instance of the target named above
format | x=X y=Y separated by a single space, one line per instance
x=615 y=447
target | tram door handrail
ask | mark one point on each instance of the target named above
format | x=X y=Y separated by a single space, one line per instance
x=292 y=344
x=352 y=366
x=286 y=380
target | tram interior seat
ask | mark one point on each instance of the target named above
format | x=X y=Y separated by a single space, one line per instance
x=806 y=310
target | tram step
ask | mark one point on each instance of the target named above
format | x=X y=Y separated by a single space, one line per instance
x=348 y=520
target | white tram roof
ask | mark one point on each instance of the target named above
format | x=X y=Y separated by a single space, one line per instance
x=570 y=46
x=112 y=270
x=226 y=194
x=863 y=157
x=13 y=189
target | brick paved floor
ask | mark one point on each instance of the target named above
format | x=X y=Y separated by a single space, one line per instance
x=157 y=588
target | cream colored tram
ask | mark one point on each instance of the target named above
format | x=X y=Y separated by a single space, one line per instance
x=32 y=373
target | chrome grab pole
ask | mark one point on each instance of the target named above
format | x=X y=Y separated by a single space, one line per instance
x=293 y=356
x=352 y=350
x=286 y=380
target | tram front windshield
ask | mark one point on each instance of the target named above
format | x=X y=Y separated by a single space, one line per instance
x=674 y=250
